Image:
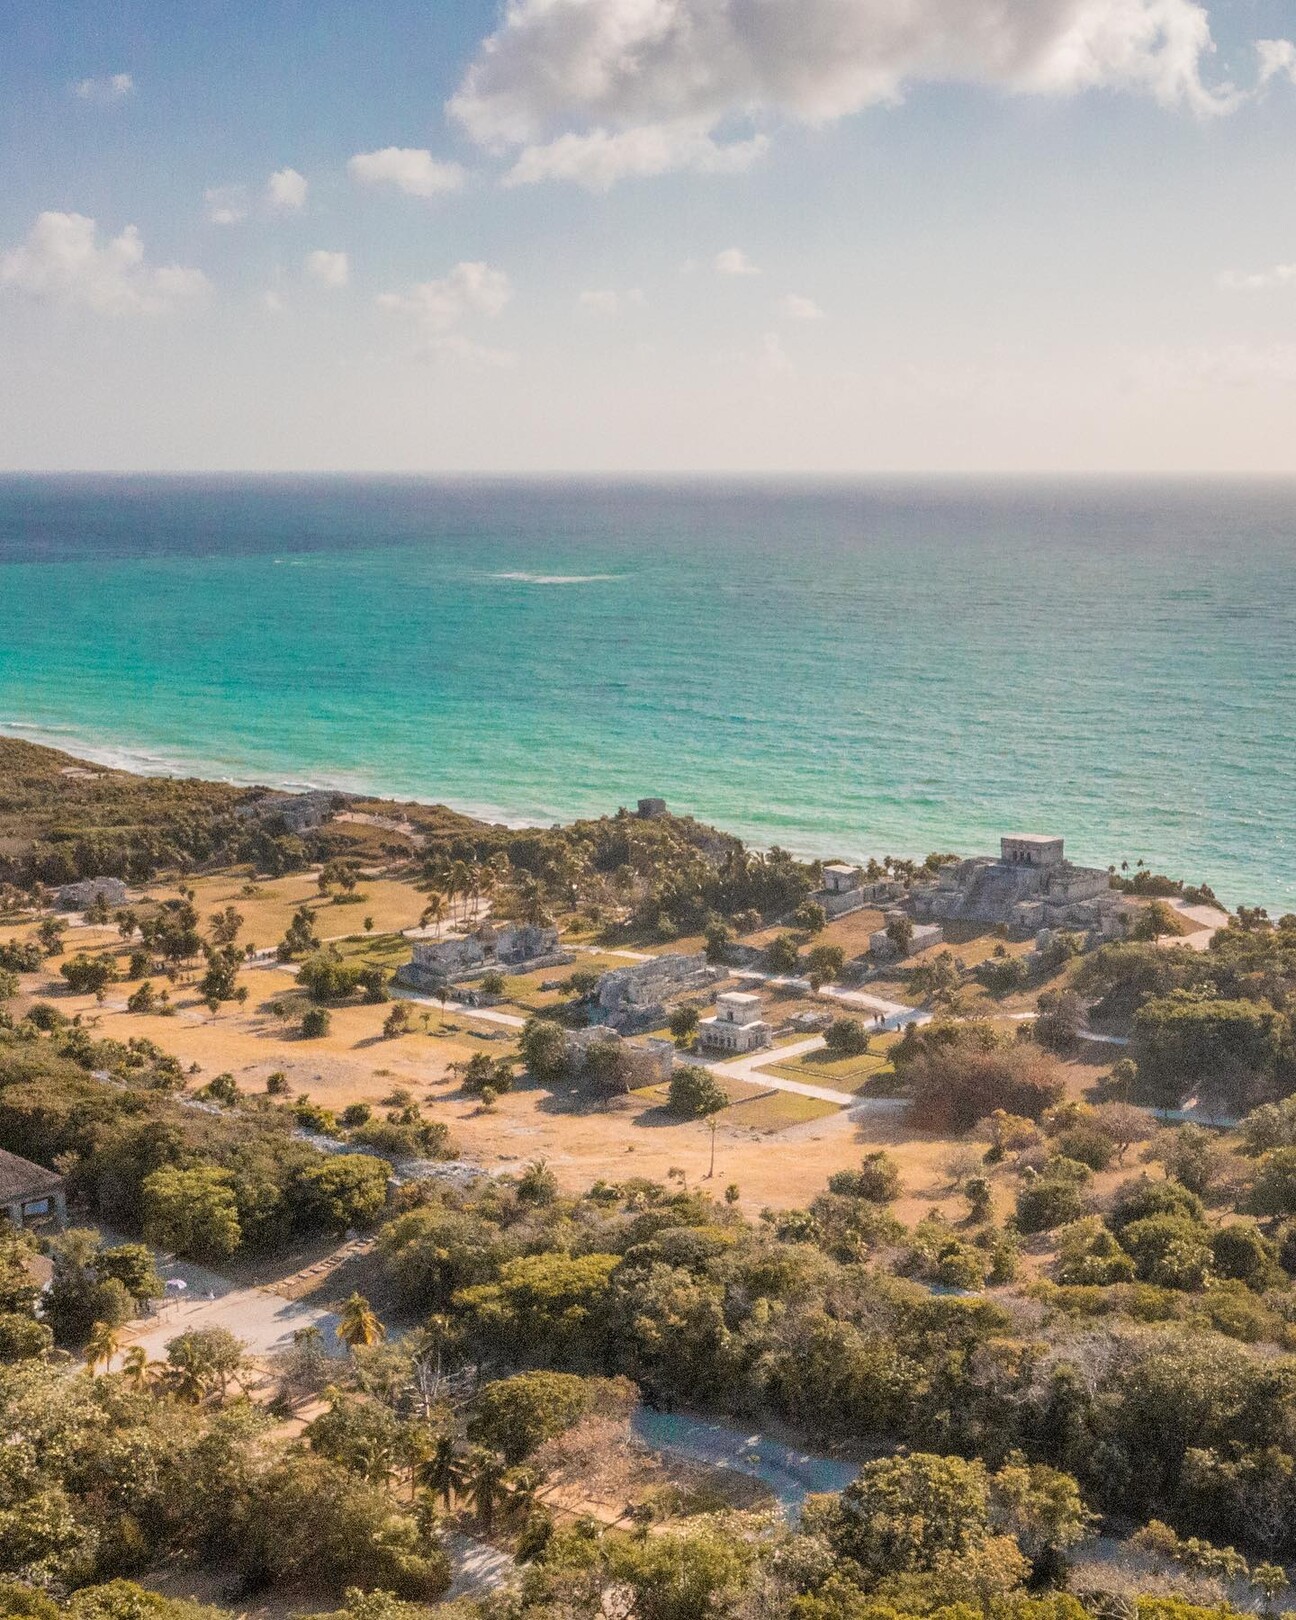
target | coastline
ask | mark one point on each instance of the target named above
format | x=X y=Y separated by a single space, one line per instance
x=137 y=762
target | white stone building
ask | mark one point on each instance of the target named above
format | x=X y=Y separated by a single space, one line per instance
x=736 y=1025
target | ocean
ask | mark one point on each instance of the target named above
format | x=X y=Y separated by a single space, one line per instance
x=844 y=668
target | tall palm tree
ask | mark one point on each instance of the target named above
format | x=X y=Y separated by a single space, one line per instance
x=487 y=1485
x=460 y=882
x=441 y=1469
x=358 y=1325
x=434 y=911
x=135 y=1367
x=102 y=1345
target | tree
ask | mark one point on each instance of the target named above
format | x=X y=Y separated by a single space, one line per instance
x=300 y=939
x=202 y=1361
x=824 y=964
x=225 y=925
x=904 y=1513
x=847 y=1037
x=220 y=982
x=900 y=932
x=442 y=1469
x=684 y=1025
x=537 y=1184
x=326 y=977
x=89 y=975
x=340 y=1191
x=193 y=1212
x=358 y=1324
x=315 y=1023
x=516 y=1415
x=102 y=1345
x=1225 y=1052
x=695 y=1092
x=486 y=1484
x=1061 y=1018
x=397 y=1021
x=781 y=955
x=544 y=1050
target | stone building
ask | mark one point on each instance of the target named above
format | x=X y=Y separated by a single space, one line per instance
x=637 y=1063
x=924 y=936
x=634 y=997
x=519 y=948
x=299 y=812
x=29 y=1192
x=1031 y=886
x=736 y=1025
x=80 y=896
x=845 y=890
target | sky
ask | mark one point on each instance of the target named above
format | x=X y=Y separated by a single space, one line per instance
x=823 y=236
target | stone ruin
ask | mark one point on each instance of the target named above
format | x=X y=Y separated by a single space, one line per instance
x=1031 y=886
x=80 y=896
x=638 y=1063
x=514 y=949
x=634 y=997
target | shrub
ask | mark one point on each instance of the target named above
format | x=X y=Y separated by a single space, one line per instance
x=877 y=1180
x=781 y=955
x=315 y=1024
x=1053 y=1199
x=956 y=1080
x=1087 y=1144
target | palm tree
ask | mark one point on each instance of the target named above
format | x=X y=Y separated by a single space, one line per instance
x=135 y=1366
x=359 y=1326
x=486 y=1484
x=460 y=882
x=433 y=912
x=101 y=1345
x=441 y=1470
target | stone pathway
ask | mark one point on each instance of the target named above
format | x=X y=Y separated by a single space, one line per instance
x=322 y=1269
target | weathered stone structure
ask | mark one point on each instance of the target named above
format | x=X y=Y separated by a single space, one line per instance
x=514 y=949
x=634 y=997
x=299 y=812
x=924 y=936
x=736 y=1025
x=844 y=890
x=1031 y=886
x=651 y=809
x=636 y=1063
x=79 y=896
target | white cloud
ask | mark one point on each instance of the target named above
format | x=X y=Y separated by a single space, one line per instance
x=226 y=205
x=596 y=89
x=113 y=87
x=61 y=261
x=796 y=308
x=609 y=302
x=329 y=269
x=599 y=158
x=1277 y=59
x=412 y=170
x=435 y=308
x=286 y=191
x=272 y=302
x=734 y=262
x=1280 y=275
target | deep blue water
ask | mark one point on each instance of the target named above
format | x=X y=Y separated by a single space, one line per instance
x=844 y=668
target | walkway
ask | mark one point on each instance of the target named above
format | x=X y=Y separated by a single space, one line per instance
x=1209 y=920
x=749 y=1069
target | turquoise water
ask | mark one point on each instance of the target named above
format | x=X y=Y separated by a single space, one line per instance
x=847 y=669
x=790 y=1474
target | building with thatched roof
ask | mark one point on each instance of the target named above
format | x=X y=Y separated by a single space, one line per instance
x=29 y=1192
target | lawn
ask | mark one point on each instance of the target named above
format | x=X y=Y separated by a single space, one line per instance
x=841 y=1073
x=753 y=1107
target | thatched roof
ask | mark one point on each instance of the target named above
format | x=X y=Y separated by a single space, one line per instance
x=22 y=1181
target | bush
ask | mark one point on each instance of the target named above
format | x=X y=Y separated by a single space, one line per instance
x=341 y=1191
x=1087 y=1144
x=781 y=955
x=1051 y=1200
x=1170 y=1251
x=316 y=1023
x=877 y=1180
x=324 y=976
x=847 y=1037
x=517 y=1415
x=1240 y=1252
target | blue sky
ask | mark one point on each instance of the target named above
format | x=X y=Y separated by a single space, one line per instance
x=648 y=235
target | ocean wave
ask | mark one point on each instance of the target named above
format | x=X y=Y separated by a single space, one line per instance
x=520 y=576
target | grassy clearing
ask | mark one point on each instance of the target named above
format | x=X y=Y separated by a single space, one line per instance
x=842 y=1074
x=753 y=1107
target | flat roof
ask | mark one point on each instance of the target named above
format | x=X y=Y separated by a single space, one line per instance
x=1033 y=838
